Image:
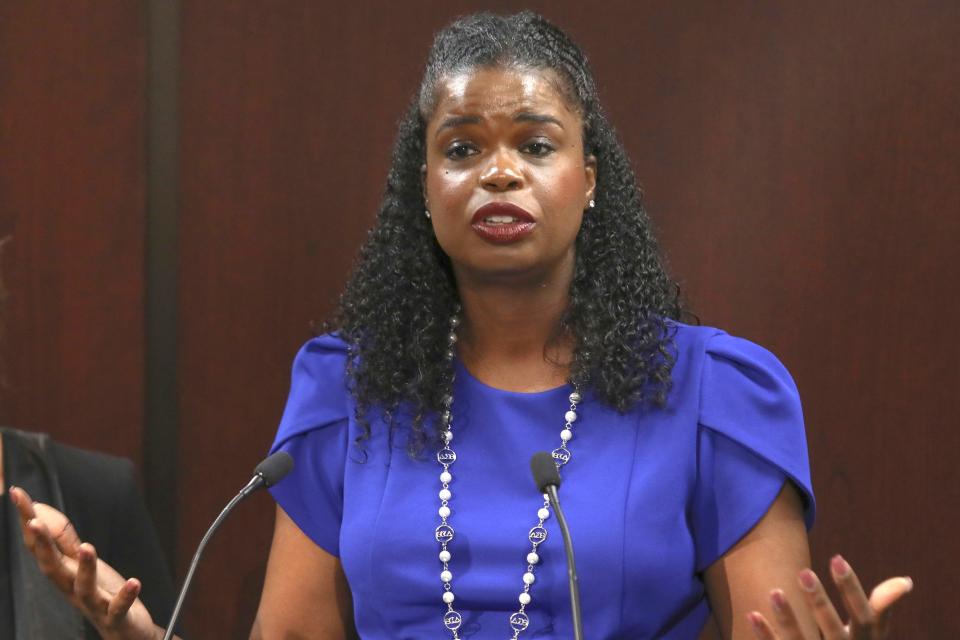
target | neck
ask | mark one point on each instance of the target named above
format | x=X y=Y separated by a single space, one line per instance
x=510 y=336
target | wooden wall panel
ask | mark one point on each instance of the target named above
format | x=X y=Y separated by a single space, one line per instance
x=803 y=166
x=800 y=162
x=276 y=194
x=72 y=202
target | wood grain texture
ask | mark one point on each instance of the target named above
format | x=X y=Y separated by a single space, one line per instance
x=72 y=204
x=803 y=166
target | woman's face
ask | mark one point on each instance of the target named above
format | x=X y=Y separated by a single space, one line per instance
x=506 y=180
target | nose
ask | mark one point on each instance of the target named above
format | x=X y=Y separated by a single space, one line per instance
x=502 y=173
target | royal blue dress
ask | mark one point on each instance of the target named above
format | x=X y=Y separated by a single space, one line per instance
x=653 y=496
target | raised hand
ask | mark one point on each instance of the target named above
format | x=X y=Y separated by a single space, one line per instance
x=869 y=618
x=104 y=597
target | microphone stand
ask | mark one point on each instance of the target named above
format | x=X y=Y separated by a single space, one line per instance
x=269 y=472
x=255 y=483
x=551 y=491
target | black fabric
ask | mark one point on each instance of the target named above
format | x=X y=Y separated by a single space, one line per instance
x=39 y=609
x=117 y=523
x=99 y=494
x=6 y=594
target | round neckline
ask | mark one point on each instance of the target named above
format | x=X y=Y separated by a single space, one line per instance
x=465 y=373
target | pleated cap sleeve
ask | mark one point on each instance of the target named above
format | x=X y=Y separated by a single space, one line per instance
x=314 y=430
x=750 y=441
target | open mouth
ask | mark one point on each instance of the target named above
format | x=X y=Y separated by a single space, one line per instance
x=502 y=222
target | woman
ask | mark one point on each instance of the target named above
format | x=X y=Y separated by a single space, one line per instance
x=511 y=299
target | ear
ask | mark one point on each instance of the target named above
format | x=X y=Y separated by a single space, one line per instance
x=590 y=173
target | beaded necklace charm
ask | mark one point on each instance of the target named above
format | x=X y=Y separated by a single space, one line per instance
x=444 y=533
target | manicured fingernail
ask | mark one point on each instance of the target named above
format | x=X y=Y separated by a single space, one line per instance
x=755 y=620
x=778 y=600
x=808 y=580
x=839 y=566
x=909 y=582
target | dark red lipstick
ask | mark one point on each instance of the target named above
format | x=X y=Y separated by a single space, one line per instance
x=502 y=222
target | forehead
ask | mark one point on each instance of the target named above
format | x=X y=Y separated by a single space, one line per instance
x=497 y=91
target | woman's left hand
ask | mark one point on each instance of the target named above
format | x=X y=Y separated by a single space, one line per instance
x=869 y=617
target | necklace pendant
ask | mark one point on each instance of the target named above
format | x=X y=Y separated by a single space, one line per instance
x=452 y=620
x=519 y=621
x=561 y=456
x=444 y=533
x=446 y=456
x=537 y=535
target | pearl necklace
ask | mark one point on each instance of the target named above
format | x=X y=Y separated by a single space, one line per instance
x=444 y=533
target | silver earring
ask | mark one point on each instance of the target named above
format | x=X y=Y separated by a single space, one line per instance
x=592 y=203
x=426 y=212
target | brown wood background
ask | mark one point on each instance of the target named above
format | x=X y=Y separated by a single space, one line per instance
x=72 y=209
x=802 y=163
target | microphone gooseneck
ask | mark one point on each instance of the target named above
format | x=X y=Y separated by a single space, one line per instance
x=547 y=478
x=268 y=473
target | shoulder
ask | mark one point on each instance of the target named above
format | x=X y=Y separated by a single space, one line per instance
x=706 y=346
x=95 y=485
x=78 y=465
x=736 y=386
x=98 y=489
x=748 y=404
x=319 y=394
x=322 y=359
x=83 y=475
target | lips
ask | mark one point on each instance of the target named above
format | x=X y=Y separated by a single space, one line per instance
x=502 y=222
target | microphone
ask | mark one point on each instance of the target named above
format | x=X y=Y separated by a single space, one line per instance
x=268 y=473
x=547 y=478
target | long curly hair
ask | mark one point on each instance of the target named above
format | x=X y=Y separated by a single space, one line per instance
x=395 y=311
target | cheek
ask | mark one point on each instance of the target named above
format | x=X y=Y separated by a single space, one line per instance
x=563 y=189
x=445 y=191
x=445 y=187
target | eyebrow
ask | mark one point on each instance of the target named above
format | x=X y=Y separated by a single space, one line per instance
x=524 y=116
x=457 y=121
x=536 y=117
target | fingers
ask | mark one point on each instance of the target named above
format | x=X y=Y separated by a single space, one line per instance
x=888 y=592
x=854 y=599
x=23 y=503
x=783 y=613
x=106 y=609
x=60 y=527
x=868 y=617
x=62 y=531
x=762 y=629
x=823 y=610
x=885 y=595
x=49 y=558
x=85 y=582
x=123 y=600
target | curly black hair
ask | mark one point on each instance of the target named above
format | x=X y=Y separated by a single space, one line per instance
x=394 y=313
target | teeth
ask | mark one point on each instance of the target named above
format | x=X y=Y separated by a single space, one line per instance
x=499 y=219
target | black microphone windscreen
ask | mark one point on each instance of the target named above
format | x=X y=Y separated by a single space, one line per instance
x=544 y=471
x=276 y=466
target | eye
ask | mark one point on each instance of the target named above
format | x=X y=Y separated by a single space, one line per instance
x=538 y=148
x=460 y=150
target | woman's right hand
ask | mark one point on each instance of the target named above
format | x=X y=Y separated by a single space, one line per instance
x=103 y=596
